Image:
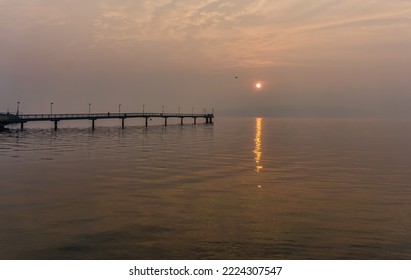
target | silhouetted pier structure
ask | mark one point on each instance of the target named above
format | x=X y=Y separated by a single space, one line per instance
x=6 y=119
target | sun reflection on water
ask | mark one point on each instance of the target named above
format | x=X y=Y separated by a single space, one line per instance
x=257 y=149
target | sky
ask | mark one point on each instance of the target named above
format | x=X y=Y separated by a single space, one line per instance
x=345 y=58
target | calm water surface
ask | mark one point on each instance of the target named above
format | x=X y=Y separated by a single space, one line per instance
x=238 y=189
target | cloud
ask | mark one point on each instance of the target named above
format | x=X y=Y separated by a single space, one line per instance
x=206 y=24
x=245 y=33
x=20 y=15
x=226 y=33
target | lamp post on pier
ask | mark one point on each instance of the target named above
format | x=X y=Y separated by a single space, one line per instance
x=89 y=109
x=18 y=105
x=51 y=108
x=119 y=108
x=162 y=109
x=178 y=109
x=144 y=105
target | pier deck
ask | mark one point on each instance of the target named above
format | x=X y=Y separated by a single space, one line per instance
x=21 y=119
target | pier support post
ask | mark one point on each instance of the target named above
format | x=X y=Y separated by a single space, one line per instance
x=211 y=120
x=122 y=123
x=165 y=121
x=146 y=121
x=195 y=120
x=181 y=120
x=21 y=125
x=206 y=119
x=55 y=125
x=92 y=124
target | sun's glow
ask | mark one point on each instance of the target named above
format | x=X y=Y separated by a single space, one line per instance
x=258 y=85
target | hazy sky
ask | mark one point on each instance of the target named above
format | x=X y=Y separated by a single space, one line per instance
x=320 y=57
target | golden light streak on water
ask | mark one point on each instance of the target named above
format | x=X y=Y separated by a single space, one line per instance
x=257 y=149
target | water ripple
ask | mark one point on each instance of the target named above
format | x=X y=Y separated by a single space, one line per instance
x=319 y=189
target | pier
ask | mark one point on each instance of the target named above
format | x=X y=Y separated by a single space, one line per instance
x=7 y=119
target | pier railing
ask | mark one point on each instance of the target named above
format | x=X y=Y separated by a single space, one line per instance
x=33 y=117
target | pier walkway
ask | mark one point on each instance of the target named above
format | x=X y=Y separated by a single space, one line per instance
x=6 y=119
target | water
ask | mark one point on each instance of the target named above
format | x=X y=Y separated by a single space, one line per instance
x=239 y=189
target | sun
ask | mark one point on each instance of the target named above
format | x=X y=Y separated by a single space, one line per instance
x=258 y=85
